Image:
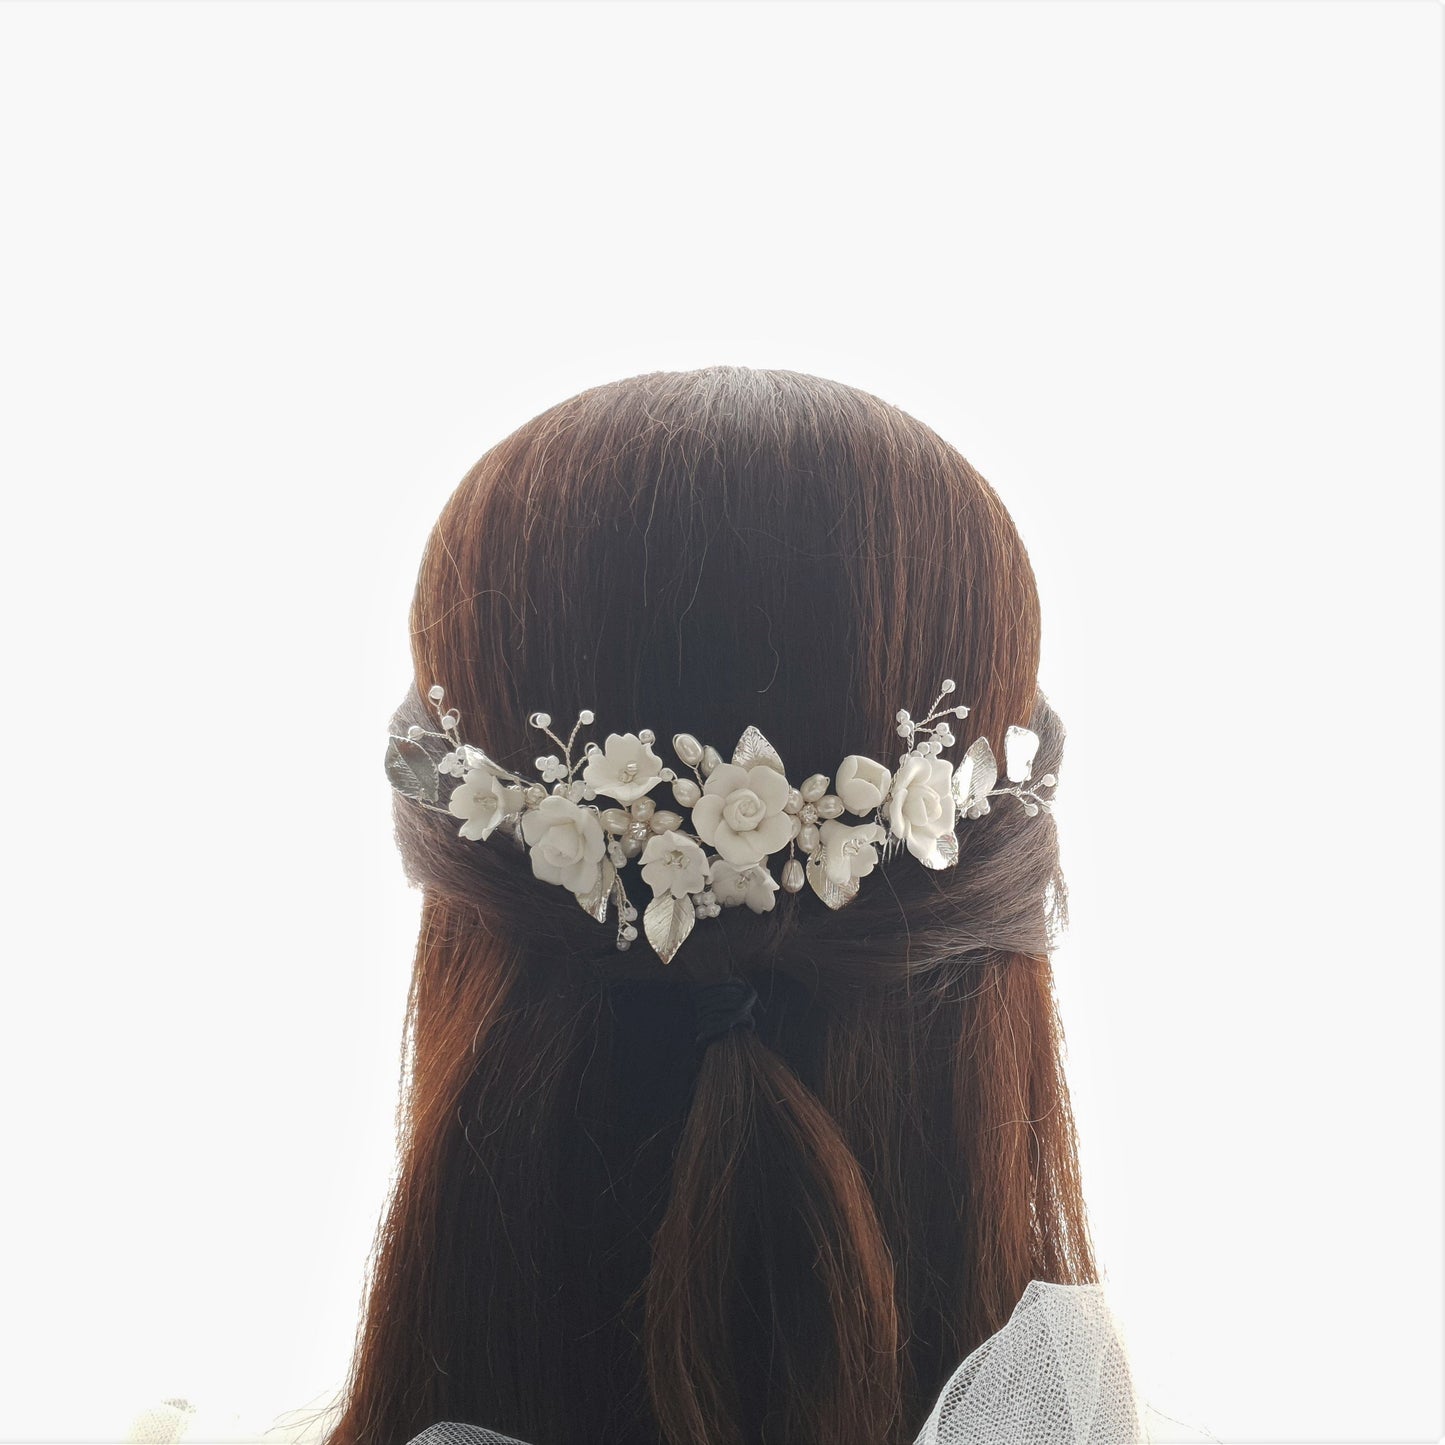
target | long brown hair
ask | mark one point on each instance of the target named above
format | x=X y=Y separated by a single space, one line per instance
x=602 y=1233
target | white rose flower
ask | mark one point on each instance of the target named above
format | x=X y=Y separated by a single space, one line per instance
x=566 y=843
x=483 y=800
x=741 y=812
x=673 y=863
x=625 y=769
x=922 y=809
x=861 y=783
x=752 y=885
x=848 y=852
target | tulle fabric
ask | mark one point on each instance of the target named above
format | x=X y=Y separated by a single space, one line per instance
x=1057 y=1373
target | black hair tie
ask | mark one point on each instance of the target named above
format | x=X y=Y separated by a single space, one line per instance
x=723 y=1006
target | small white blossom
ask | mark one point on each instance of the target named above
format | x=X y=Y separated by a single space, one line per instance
x=752 y=885
x=483 y=800
x=673 y=863
x=848 y=851
x=624 y=768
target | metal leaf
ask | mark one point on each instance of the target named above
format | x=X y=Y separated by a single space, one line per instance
x=975 y=775
x=594 y=901
x=945 y=852
x=753 y=747
x=411 y=770
x=1019 y=747
x=667 y=921
x=835 y=895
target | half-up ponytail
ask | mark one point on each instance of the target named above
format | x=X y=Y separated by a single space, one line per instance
x=604 y=1232
x=762 y=1181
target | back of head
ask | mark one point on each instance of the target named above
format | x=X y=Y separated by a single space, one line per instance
x=603 y=1231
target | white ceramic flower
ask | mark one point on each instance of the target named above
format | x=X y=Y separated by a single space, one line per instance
x=861 y=783
x=752 y=885
x=483 y=800
x=673 y=863
x=566 y=843
x=921 y=809
x=848 y=852
x=741 y=812
x=625 y=768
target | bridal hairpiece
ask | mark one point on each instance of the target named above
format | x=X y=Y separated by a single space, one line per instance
x=743 y=813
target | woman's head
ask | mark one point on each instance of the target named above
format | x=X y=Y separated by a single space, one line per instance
x=601 y=1231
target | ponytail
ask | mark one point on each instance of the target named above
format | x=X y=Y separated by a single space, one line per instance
x=763 y=1178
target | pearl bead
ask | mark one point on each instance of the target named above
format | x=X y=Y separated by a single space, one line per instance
x=815 y=787
x=793 y=876
x=808 y=838
x=794 y=803
x=586 y=716
x=536 y=793
x=830 y=805
x=541 y=720
x=631 y=846
x=643 y=809
x=647 y=736
x=1048 y=780
x=437 y=693
x=616 y=820
x=628 y=932
x=711 y=759
x=686 y=792
x=687 y=748
x=948 y=684
x=664 y=821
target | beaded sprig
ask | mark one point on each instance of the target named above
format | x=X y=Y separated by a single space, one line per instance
x=743 y=813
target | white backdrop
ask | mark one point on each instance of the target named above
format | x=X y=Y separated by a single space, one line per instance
x=274 y=276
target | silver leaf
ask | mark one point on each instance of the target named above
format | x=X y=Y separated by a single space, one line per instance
x=594 y=901
x=753 y=747
x=835 y=895
x=975 y=775
x=667 y=922
x=945 y=852
x=410 y=769
x=1019 y=747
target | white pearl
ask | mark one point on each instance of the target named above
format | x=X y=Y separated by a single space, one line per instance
x=536 y=793
x=794 y=803
x=437 y=693
x=830 y=805
x=631 y=846
x=711 y=759
x=643 y=809
x=815 y=787
x=586 y=716
x=808 y=838
x=664 y=821
x=793 y=876
x=647 y=736
x=616 y=820
x=948 y=684
x=688 y=749
x=686 y=792
x=1048 y=780
x=541 y=720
